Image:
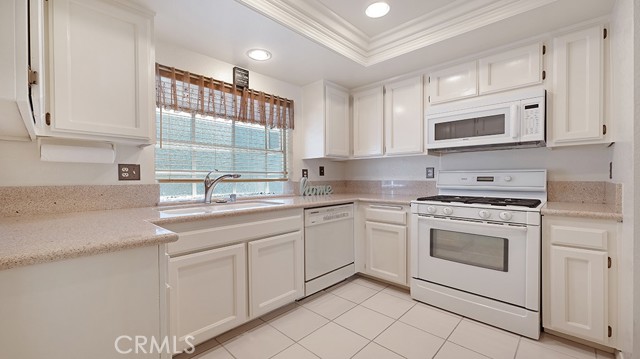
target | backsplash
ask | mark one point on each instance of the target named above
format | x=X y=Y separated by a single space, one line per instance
x=599 y=192
x=388 y=187
x=33 y=200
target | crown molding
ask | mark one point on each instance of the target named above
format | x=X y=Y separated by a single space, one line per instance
x=312 y=19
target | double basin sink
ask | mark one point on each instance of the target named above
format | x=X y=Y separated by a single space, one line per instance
x=215 y=208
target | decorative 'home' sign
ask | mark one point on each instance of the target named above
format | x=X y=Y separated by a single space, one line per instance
x=240 y=77
x=306 y=190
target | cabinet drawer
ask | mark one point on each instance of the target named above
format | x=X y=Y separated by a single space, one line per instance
x=386 y=214
x=190 y=241
x=580 y=233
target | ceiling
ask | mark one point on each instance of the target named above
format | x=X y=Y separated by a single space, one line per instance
x=334 y=40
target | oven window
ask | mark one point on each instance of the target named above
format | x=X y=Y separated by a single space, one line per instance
x=472 y=249
x=472 y=127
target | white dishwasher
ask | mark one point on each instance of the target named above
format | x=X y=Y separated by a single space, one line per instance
x=328 y=246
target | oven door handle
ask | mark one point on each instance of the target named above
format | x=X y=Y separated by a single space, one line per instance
x=519 y=228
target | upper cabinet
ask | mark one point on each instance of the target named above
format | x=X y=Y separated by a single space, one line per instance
x=389 y=120
x=368 y=123
x=101 y=71
x=511 y=69
x=453 y=83
x=403 y=116
x=507 y=70
x=16 y=122
x=326 y=120
x=578 y=83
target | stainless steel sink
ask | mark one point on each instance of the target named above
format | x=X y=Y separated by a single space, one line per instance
x=216 y=207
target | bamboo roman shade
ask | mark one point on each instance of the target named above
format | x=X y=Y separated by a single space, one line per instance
x=180 y=90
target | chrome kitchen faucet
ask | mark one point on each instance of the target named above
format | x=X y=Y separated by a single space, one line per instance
x=210 y=184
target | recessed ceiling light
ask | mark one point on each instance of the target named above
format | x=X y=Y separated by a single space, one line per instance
x=259 y=54
x=377 y=9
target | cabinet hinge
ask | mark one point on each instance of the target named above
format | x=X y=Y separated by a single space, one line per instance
x=33 y=77
x=609 y=331
x=47 y=119
x=608 y=262
x=544 y=74
x=604 y=33
x=604 y=129
x=544 y=49
x=429 y=79
x=429 y=98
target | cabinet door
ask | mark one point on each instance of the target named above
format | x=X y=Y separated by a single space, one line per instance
x=208 y=293
x=368 y=123
x=578 y=292
x=511 y=69
x=101 y=69
x=577 y=88
x=404 y=118
x=453 y=83
x=336 y=122
x=386 y=251
x=276 y=272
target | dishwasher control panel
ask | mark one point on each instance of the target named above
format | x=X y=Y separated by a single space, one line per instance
x=315 y=216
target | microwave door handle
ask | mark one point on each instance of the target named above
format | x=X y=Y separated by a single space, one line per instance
x=515 y=122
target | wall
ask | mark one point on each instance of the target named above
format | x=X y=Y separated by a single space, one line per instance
x=622 y=51
x=21 y=166
x=581 y=163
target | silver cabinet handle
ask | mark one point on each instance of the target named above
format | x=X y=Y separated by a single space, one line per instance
x=397 y=208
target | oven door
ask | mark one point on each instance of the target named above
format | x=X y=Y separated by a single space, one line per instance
x=497 y=261
x=488 y=125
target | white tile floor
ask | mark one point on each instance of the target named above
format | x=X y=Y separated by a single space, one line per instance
x=364 y=319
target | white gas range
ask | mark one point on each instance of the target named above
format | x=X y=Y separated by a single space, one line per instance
x=476 y=247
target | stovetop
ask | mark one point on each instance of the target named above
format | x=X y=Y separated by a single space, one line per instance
x=493 y=201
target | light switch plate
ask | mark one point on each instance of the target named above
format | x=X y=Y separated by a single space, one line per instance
x=431 y=173
x=321 y=170
x=128 y=172
x=305 y=173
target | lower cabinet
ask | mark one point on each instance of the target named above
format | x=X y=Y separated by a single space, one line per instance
x=276 y=272
x=386 y=247
x=579 y=276
x=208 y=293
x=381 y=242
x=223 y=272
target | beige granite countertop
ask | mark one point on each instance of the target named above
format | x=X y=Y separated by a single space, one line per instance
x=584 y=210
x=26 y=240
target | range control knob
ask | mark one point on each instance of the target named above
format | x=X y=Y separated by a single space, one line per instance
x=447 y=210
x=431 y=209
x=507 y=178
x=505 y=216
x=484 y=214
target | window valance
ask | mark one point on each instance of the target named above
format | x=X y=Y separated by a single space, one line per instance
x=180 y=90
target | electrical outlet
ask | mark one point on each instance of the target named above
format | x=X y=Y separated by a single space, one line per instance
x=127 y=172
x=321 y=171
x=305 y=173
x=431 y=173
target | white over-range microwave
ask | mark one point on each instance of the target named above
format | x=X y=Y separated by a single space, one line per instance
x=499 y=121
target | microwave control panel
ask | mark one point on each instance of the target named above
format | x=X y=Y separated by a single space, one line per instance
x=532 y=119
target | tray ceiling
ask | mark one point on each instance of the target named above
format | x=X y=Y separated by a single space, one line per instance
x=334 y=40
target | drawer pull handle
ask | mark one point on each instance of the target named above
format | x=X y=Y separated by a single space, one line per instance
x=397 y=208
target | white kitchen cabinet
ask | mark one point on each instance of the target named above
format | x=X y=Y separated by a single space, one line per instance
x=225 y=271
x=368 y=137
x=101 y=71
x=578 y=89
x=79 y=307
x=403 y=116
x=276 y=272
x=326 y=121
x=208 y=293
x=381 y=242
x=510 y=69
x=579 y=278
x=453 y=83
x=16 y=122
